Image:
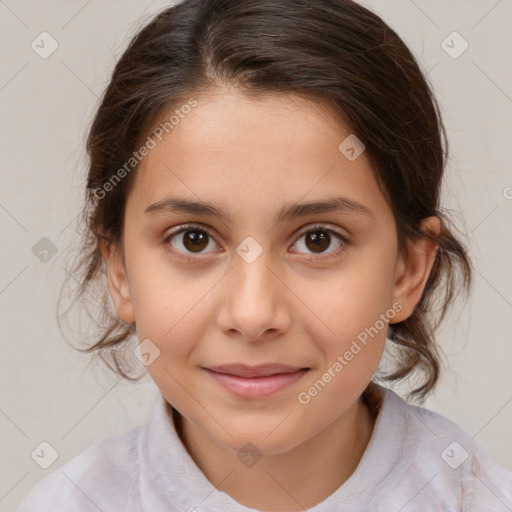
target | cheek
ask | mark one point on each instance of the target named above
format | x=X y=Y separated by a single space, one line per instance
x=174 y=318
x=173 y=314
x=353 y=307
x=163 y=295
x=173 y=310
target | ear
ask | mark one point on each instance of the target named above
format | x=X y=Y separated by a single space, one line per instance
x=118 y=282
x=411 y=275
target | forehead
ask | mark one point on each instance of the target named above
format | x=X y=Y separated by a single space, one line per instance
x=245 y=153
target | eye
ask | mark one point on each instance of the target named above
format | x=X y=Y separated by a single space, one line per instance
x=319 y=239
x=189 y=240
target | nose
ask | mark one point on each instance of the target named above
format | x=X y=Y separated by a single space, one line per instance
x=256 y=301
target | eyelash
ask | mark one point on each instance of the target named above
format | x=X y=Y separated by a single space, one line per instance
x=312 y=229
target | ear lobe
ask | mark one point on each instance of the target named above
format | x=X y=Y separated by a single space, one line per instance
x=118 y=283
x=411 y=275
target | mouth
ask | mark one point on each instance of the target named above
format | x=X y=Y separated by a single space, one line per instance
x=253 y=382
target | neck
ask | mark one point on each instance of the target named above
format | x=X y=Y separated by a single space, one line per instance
x=293 y=480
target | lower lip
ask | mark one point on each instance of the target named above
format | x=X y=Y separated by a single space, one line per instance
x=256 y=387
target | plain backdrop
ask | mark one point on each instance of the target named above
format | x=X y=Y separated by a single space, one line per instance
x=49 y=392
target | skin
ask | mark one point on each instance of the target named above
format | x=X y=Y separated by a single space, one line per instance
x=249 y=157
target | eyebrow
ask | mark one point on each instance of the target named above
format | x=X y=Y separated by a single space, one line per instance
x=339 y=204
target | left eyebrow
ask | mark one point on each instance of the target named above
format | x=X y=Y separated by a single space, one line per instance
x=339 y=204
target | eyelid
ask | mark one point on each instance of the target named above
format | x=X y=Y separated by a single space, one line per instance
x=325 y=226
x=189 y=227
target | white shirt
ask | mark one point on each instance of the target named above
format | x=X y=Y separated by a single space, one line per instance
x=416 y=461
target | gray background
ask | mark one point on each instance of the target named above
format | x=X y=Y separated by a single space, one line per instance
x=49 y=392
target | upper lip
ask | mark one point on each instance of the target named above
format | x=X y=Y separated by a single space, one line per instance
x=243 y=370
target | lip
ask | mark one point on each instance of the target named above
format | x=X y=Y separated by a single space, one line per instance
x=252 y=382
x=262 y=370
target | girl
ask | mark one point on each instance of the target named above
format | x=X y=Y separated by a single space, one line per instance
x=263 y=202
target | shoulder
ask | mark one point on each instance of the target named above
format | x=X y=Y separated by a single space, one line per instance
x=440 y=459
x=98 y=478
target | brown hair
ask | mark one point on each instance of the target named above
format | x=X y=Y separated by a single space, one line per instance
x=334 y=51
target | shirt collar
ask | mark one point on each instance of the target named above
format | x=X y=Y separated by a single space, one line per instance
x=168 y=474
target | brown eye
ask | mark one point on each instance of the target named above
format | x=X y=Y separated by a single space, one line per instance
x=191 y=240
x=320 y=240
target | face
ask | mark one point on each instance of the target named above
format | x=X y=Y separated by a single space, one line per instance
x=263 y=280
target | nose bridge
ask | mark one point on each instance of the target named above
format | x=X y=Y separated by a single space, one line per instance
x=254 y=277
x=256 y=301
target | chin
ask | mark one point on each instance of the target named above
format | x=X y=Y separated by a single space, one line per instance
x=266 y=440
